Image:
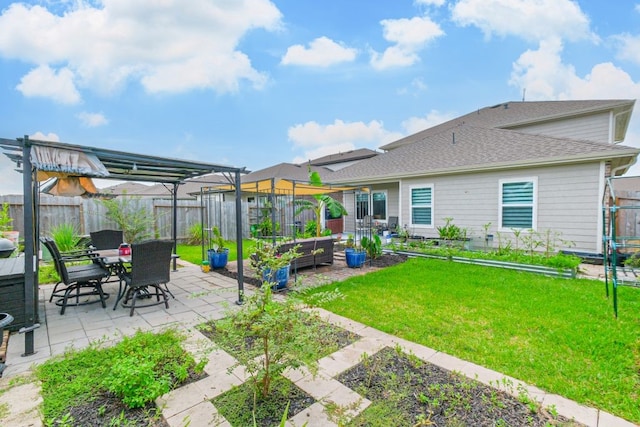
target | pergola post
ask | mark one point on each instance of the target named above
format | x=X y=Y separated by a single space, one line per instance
x=30 y=256
x=239 y=239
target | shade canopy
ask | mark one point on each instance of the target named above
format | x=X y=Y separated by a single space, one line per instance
x=73 y=160
x=279 y=186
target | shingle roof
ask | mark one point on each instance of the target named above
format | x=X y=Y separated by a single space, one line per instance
x=347 y=156
x=288 y=171
x=472 y=148
x=514 y=114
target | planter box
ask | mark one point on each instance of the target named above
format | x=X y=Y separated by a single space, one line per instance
x=548 y=271
x=307 y=246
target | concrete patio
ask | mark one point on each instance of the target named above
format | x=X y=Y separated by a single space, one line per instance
x=202 y=296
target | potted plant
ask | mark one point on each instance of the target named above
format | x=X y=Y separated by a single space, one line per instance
x=219 y=254
x=272 y=264
x=354 y=254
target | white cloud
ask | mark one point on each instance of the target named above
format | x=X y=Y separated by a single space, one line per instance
x=322 y=52
x=45 y=137
x=430 y=2
x=93 y=119
x=416 y=86
x=542 y=73
x=531 y=20
x=166 y=46
x=318 y=140
x=47 y=83
x=434 y=117
x=409 y=36
x=312 y=134
x=544 y=76
x=628 y=47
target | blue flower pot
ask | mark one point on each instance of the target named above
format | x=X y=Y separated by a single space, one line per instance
x=218 y=259
x=355 y=259
x=279 y=278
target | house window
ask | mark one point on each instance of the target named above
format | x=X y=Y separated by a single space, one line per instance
x=379 y=205
x=422 y=206
x=362 y=205
x=518 y=203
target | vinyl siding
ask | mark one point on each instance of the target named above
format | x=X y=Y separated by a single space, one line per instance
x=594 y=127
x=568 y=202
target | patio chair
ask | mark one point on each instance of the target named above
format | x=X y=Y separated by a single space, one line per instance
x=77 y=257
x=392 y=224
x=148 y=276
x=80 y=280
x=106 y=239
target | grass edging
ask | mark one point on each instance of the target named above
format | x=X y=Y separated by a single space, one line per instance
x=567 y=273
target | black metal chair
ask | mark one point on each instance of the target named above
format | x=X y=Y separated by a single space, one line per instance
x=150 y=270
x=392 y=224
x=106 y=239
x=80 y=256
x=81 y=276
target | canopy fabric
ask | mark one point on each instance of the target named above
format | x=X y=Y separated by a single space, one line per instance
x=70 y=186
x=285 y=187
x=61 y=162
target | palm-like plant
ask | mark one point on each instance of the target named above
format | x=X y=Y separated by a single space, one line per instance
x=321 y=202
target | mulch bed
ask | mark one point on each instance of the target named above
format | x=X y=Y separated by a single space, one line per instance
x=425 y=394
x=385 y=260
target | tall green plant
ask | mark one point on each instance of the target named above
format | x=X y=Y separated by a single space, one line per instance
x=372 y=245
x=5 y=218
x=134 y=221
x=66 y=237
x=321 y=202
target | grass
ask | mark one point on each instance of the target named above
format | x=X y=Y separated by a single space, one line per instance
x=193 y=254
x=558 y=334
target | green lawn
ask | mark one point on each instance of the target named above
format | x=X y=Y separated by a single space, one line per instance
x=558 y=334
x=193 y=254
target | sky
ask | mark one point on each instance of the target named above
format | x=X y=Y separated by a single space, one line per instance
x=253 y=83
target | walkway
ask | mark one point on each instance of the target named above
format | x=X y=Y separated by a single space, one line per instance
x=201 y=297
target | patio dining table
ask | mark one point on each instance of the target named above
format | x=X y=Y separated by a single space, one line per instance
x=112 y=260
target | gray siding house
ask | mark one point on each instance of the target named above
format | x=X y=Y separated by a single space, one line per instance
x=518 y=166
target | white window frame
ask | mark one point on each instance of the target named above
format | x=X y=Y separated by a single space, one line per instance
x=533 y=204
x=386 y=204
x=411 y=188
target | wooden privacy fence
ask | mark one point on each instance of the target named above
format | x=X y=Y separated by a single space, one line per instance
x=90 y=215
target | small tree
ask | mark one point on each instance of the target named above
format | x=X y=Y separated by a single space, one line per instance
x=321 y=202
x=133 y=220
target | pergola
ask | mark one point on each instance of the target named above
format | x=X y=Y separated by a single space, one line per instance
x=38 y=160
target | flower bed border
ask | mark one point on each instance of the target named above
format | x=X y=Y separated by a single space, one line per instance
x=567 y=273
